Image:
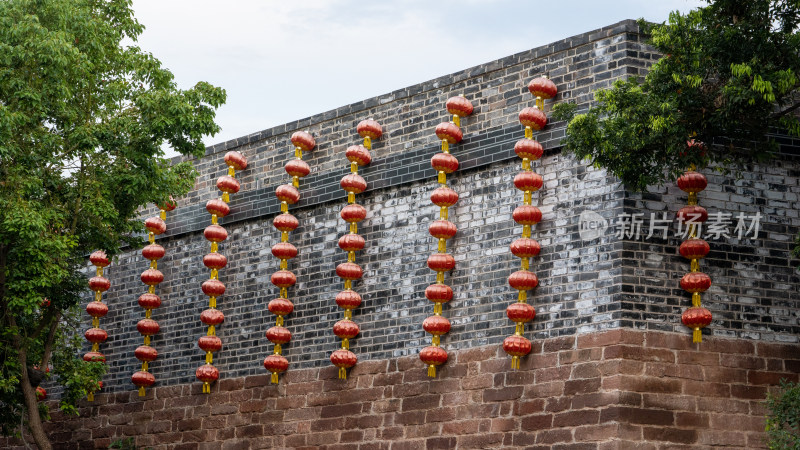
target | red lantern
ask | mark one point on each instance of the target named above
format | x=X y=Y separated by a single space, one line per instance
x=351 y=242
x=215 y=261
x=279 y=335
x=533 y=117
x=94 y=357
x=694 y=213
x=287 y=193
x=439 y=293
x=358 y=154
x=97 y=309
x=143 y=379
x=280 y=307
x=348 y=299
x=210 y=343
x=236 y=160
x=276 y=364
x=147 y=327
x=444 y=162
x=41 y=393
x=369 y=128
x=207 y=373
x=152 y=277
x=146 y=301
x=169 y=205
x=155 y=225
x=303 y=140
x=145 y=353
x=213 y=287
x=692 y=182
x=696 y=317
x=212 y=316
x=218 y=207
x=695 y=282
x=517 y=346
x=215 y=233
x=528 y=148
x=528 y=181
x=153 y=251
x=520 y=312
x=442 y=229
x=432 y=357
x=459 y=106
x=349 y=271
x=284 y=250
x=228 y=184
x=343 y=359
x=99 y=258
x=527 y=215
x=297 y=168
x=99 y=284
x=448 y=131
x=285 y=222
x=694 y=248
x=542 y=87
x=354 y=183
x=95 y=335
x=525 y=248
x=444 y=197
x=283 y=279
x=353 y=213
x=523 y=280
x=345 y=329
x=441 y=262
x=436 y=325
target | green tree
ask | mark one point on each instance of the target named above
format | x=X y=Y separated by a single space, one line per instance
x=83 y=118
x=728 y=76
x=783 y=418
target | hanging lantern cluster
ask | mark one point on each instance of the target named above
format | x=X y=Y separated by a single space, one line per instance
x=444 y=163
x=288 y=194
x=215 y=261
x=348 y=299
x=527 y=215
x=97 y=309
x=694 y=249
x=149 y=301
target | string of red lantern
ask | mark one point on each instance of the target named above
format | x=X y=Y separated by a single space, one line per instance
x=696 y=317
x=215 y=261
x=149 y=301
x=288 y=194
x=527 y=215
x=348 y=299
x=444 y=163
x=97 y=309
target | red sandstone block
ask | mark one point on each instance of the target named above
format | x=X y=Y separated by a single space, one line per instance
x=287 y=403
x=643 y=416
x=421 y=402
x=212 y=423
x=600 y=339
x=558 y=404
x=792 y=365
x=390 y=433
x=525 y=407
x=690 y=419
x=630 y=352
x=725 y=405
x=519 y=377
x=502 y=394
x=406 y=363
x=774 y=365
x=552 y=374
x=369 y=367
x=586 y=370
x=722 y=345
x=385 y=406
x=672 y=341
x=303 y=388
x=713 y=437
x=596 y=432
x=758 y=377
x=500 y=424
x=585 y=386
x=594 y=400
x=322 y=399
x=523 y=439
x=698 y=357
x=553 y=436
x=324 y=438
x=700 y=388
x=410 y=418
x=620 y=367
x=333 y=424
x=544 y=390
x=626 y=445
x=351 y=436
x=674 y=402
x=576 y=418
x=387 y=379
x=477 y=410
x=669 y=434
x=409 y=389
x=543 y=360
x=748 y=392
x=425 y=430
x=756 y=440
x=580 y=355
x=440 y=443
x=231 y=384
x=737 y=422
x=479 y=381
x=197 y=435
x=408 y=445
x=741 y=361
x=687 y=371
x=158 y=427
x=470 y=426
x=482 y=353
x=652 y=384
x=536 y=422
x=559 y=343
x=725 y=374
x=348 y=409
x=481 y=441
x=443 y=385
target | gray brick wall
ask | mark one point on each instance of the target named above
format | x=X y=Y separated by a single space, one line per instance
x=585 y=286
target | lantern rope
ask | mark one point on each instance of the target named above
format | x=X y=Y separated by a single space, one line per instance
x=97 y=309
x=348 y=299
x=213 y=287
x=287 y=194
x=442 y=229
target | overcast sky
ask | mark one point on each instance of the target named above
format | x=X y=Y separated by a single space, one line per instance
x=285 y=60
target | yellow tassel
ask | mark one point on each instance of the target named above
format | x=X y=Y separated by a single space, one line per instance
x=353 y=167
x=214 y=274
x=274 y=378
x=445 y=146
x=442 y=245
x=695 y=265
x=296 y=181
x=522 y=297
x=279 y=321
x=225 y=197
x=145 y=366
x=456 y=120
x=298 y=153
x=278 y=349
x=351 y=256
x=348 y=284
x=515 y=362
x=696 y=299
x=440 y=277
x=436 y=341
x=528 y=198
x=348 y=314
x=163 y=215
x=95 y=346
x=284 y=292
x=346 y=344
x=212 y=302
x=528 y=133
x=368 y=143
x=442 y=177
x=539 y=103
x=443 y=213
x=284 y=207
x=148 y=313
x=212 y=330
x=526 y=231
x=147 y=340
x=95 y=322
x=437 y=309
x=692 y=198
x=141 y=391
x=150 y=237
x=520 y=329
x=98 y=295
x=697 y=336
x=154 y=264
x=284 y=236
x=351 y=198
x=342 y=373
x=231 y=171
x=206 y=388
x=214 y=247
x=525 y=263
x=214 y=219
x=209 y=358
x=151 y=289
x=90 y=396
x=284 y=264
x=353 y=228
x=432 y=371
x=526 y=164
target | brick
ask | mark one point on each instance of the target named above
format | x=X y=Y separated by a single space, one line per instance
x=757 y=377
x=348 y=409
x=506 y=393
x=669 y=434
x=576 y=418
x=421 y=402
x=637 y=416
x=440 y=443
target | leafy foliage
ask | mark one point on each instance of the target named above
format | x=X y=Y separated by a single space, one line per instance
x=728 y=76
x=783 y=420
x=83 y=119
